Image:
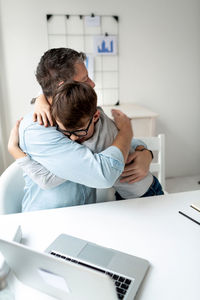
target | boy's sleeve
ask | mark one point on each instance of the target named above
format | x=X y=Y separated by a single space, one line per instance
x=39 y=174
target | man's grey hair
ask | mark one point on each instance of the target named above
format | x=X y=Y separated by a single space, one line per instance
x=55 y=66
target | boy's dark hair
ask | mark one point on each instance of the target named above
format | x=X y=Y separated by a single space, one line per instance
x=72 y=103
x=55 y=66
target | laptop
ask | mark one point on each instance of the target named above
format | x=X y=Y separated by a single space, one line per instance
x=75 y=269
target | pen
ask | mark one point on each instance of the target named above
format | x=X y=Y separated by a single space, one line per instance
x=180 y=212
x=195 y=208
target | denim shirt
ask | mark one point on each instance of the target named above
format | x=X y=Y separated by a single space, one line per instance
x=84 y=171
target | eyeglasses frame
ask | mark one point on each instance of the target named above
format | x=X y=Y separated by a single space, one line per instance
x=68 y=133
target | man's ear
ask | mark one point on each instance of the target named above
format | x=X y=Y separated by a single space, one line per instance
x=96 y=116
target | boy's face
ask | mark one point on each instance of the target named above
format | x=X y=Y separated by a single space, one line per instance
x=82 y=134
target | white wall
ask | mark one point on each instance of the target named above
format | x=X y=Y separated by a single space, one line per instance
x=159 y=63
x=4 y=159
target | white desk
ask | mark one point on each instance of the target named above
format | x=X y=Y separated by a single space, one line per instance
x=143 y=120
x=150 y=227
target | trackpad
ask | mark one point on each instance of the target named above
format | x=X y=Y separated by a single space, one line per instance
x=96 y=255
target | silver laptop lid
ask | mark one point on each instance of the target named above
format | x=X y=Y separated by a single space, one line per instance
x=53 y=276
x=127 y=271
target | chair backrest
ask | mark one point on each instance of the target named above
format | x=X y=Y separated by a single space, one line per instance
x=157 y=145
x=11 y=189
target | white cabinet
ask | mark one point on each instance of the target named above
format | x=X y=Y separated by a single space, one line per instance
x=143 y=120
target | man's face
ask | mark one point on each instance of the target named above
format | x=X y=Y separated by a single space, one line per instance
x=82 y=75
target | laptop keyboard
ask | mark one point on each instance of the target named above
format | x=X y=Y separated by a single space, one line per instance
x=122 y=284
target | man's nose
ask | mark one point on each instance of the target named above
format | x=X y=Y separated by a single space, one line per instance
x=91 y=83
x=73 y=137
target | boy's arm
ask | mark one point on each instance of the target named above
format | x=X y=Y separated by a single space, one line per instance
x=39 y=174
x=42 y=111
x=13 y=142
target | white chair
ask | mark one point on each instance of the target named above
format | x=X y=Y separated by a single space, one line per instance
x=157 y=145
x=11 y=189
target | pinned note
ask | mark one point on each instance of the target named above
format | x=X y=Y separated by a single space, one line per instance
x=92 y=21
x=105 y=45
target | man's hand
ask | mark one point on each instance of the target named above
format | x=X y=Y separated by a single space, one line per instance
x=137 y=166
x=42 y=113
x=13 y=142
x=122 y=121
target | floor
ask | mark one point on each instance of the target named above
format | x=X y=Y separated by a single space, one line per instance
x=182 y=184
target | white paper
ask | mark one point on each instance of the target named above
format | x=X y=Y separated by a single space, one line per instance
x=105 y=45
x=54 y=280
x=90 y=65
x=92 y=21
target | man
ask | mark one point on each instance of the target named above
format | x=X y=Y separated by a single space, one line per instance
x=63 y=157
x=75 y=110
x=69 y=64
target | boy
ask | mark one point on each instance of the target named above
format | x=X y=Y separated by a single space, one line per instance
x=77 y=116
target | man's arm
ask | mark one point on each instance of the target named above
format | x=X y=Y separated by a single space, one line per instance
x=47 y=180
x=125 y=134
x=43 y=177
x=141 y=159
x=138 y=164
x=70 y=160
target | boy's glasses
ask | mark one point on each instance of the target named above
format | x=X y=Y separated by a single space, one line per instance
x=78 y=132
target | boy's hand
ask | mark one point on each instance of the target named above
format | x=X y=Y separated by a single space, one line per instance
x=13 y=142
x=42 y=113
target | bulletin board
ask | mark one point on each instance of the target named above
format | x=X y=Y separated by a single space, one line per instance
x=96 y=36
